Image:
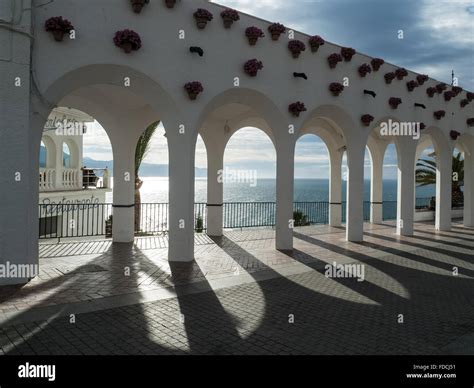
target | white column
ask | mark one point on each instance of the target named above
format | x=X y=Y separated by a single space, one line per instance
x=406 y=192
x=355 y=194
x=181 y=197
x=123 y=224
x=469 y=187
x=335 y=188
x=284 y=195
x=215 y=194
x=444 y=172
x=376 y=189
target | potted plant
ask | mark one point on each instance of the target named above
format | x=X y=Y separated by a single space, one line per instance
x=170 y=3
x=194 y=89
x=300 y=218
x=431 y=91
x=252 y=67
x=448 y=95
x=276 y=29
x=454 y=134
x=334 y=59
x=108 y=226
x=336 y=88
x=411 y=85
x=58 y=27
x=347 y=53
x=128 y=40
x=439 y=114
x=138 y=5
x=315 y=42
x=296 y=108
x=229 y=16
x=202 y=16
x=296 y=47
x=253 y=34
x=199 y=224
x=377 y=63
x=366 y=119
x=400 y=73
x=421 y=79
x=464 y=102
x=470 y=122
x=422 y=126
x=456 y=90
x=389 y=77
x=440 y=88
x=364 y=70
x=470 y=96
x=394 y=102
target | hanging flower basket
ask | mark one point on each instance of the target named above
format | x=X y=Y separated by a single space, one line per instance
x=456 y=90
x=470 y=122
x=334 y=59
x=128 y=40
x=449 y=95
x=422 y=126
x=464 y=102
x=389 y=77
x=58 y=27
x=440 y=88
x=276 y=29
x=364 y=70
x=470 y=96
x=411 y=85
x=439 y=114
x=421 y=79
x=336 y=88
x=377 y=63
x=138 y=5
x=170 y=3
x=296 y=47
x=296 y=108
x=202 y=16
x=253 y=34
x=454 y=134
x=229 y=16
x=194 y=89
x=347 y=53
x=367 y=119
x=252 y=67
x=431 y=91
x=394 y=102
x=315 y=42
x=401 y=73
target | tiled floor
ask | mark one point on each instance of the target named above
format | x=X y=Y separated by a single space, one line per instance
x=267 y=302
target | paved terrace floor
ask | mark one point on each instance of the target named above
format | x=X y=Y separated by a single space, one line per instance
x=241 y=296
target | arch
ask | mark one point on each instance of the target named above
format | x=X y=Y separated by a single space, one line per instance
x=74 y=156
x=50 y=148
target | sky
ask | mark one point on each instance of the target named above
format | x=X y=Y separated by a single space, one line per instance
x=438 y=37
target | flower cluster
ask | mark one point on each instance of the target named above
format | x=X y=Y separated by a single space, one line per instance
x=448 y=95
x=203 y=14
x=296 y=108
x=57 y=23
x=252 y=67
x=464 y=102
x=394 y=102
x=456 y=90
x=230 y=14
x=470 y=122
x=336 y=88
x=254 y=33
x=377 y=63
x=422 y=78
x=128 y=40
x=401 y=73
x=439 y=114
x=315 y=42
x=296 y=47
x=347 y=53
x=366 y=119
x=431 y=91
x=276 y=29
x=170 y=3
x=389 y=77
x=193 y=89
x=440 y=88
x=137 y=5
x=470 y=96
x=364 y=70
x=411 y=85
x=454 y=134
x=334 y=59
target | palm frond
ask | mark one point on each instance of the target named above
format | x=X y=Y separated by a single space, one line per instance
x=143 y=145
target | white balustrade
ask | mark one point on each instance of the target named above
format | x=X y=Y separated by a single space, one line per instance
x=46 y=179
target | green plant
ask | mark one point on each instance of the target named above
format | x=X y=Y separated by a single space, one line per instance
x=300 y=218
x=199 y=224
